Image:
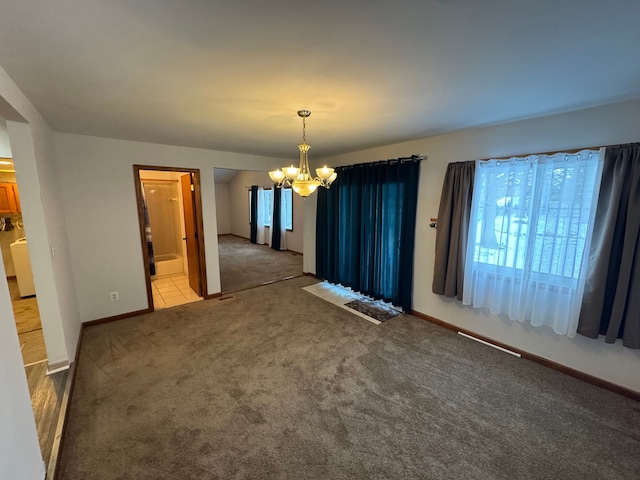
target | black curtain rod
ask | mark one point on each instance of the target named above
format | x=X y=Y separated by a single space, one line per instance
x=390 y=161
x=570 y=151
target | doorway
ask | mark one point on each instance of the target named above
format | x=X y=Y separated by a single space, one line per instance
x=244 y=264
x=170 y=215
x=17 y=266
x=46 y=387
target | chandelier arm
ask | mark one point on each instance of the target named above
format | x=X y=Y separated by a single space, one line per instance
x=301 y=179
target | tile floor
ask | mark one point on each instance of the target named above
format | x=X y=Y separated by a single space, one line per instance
x=172 y=290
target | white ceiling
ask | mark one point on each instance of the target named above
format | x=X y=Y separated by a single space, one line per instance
x=230 y=75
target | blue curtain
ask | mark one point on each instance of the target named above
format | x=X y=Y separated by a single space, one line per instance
x=276 y=218
x=365 y=233
x=253 y=221
x=147 y=233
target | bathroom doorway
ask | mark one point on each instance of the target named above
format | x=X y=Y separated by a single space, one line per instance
x=169 y=209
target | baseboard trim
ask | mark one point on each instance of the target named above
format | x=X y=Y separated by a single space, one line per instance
x=585 y=377
x=211 y=296
x=115 y=318
x=242 y=289
x=56 y=450
x=232 y=235
x=56 y=367
x=60 y=425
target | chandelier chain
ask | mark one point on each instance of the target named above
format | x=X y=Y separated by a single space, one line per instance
x=301 y=179
x=304 y=130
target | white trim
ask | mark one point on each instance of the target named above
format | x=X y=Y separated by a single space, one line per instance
x=491 y=345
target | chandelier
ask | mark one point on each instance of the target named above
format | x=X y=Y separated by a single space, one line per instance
x=300 y=178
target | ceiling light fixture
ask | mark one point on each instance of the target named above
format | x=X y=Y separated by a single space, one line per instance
x=300 y=178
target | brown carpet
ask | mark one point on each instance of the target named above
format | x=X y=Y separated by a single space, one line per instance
x=279 y=384
x=25 y=310
x=244 y=264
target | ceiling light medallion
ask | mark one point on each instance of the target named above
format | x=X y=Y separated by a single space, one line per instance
x=300 y=178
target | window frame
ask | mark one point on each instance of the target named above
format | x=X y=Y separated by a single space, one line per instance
x=290 y=190
x=518 y=273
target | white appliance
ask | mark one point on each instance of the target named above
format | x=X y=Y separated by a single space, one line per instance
x=22 y=264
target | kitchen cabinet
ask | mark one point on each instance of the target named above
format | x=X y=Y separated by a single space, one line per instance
x=9 y=199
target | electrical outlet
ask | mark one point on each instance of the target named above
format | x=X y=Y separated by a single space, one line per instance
x=114 y=296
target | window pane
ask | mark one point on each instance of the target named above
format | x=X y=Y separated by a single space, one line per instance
x=268 y=208
x=503 y=214
x=287 y=198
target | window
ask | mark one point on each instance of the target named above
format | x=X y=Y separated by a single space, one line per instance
x=287 y=201
x=529 y=234
x=267 y=206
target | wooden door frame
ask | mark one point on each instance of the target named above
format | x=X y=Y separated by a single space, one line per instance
x=199 y=225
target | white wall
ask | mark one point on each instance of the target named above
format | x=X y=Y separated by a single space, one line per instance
x=223 y=208
x=31 y=147
x=5 y=146
x=30 y=138
x=295 y=237
x=606 y=125
x=20 y=457
x=102 y=220
x=48 y=248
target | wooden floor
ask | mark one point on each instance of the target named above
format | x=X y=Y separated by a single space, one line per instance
x=46 y=398
x=47 y=392
x=32 y=347
x=27 y=315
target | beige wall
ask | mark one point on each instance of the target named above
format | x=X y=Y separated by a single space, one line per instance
x=295 y=237
x=223 y=209
x=239 y=199
x=611 y=124
x=102 y=220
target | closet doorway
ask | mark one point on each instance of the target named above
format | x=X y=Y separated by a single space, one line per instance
x=170 y=216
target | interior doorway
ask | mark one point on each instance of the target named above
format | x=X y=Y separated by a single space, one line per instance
x=46 y=385
x=244 y=264
x=170 y=215
x=17 y=266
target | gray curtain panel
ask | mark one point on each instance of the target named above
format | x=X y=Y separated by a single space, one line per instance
x=611 y=303
x=453 y=228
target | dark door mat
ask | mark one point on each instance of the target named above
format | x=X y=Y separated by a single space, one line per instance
x=373 y=309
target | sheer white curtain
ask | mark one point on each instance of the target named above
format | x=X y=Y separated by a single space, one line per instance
x=529 y=235
x=261 y=215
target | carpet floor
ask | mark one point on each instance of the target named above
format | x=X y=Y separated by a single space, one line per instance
x=244 y=264
x=279 y=384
